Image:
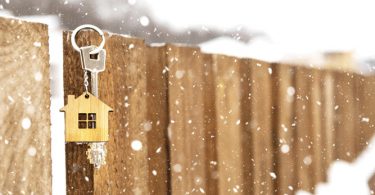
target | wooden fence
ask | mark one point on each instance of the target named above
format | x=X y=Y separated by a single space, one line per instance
x=216 y=124
x=208 y=124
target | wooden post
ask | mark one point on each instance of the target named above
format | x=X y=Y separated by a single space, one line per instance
x=25 y=147
x=127 y=85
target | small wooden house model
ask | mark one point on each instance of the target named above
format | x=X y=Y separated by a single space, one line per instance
x=86 y=119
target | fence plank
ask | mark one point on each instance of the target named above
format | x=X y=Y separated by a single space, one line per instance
x=344 y=116
x=25 y=147
x=158 y=118
x=328 y=128
x=261 y=127
x=188 y=131
x=233 y=144
x=210 y=122
x=139 y=115
x=283 y=85
x=317 y=125
x=303 y=124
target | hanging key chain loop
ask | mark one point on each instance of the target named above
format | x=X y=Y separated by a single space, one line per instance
x=88 y=26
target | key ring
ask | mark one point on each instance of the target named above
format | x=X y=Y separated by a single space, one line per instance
x=88 y=26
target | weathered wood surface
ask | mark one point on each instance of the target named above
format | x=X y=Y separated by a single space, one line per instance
x=140 y=116
x=345 y=116
x=235 y=125
x=303 y=124
x=261 y=132
x=284 y=127
x=328 y=127
x=25 y=148
x=231 y=138
x=191 y=140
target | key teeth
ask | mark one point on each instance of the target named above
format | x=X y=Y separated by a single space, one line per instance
x=96 y=154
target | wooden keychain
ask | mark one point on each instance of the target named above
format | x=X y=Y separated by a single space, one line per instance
x=86 y=117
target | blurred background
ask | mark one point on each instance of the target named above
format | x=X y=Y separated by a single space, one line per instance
x=323 y=34
x=308 y=32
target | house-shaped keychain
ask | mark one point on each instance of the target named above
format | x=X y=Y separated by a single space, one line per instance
x=86 y=119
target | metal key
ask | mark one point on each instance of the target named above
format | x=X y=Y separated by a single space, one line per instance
x=95 y=64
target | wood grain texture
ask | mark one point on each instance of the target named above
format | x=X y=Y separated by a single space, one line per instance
x=86 y=105
x=216 y=124
x=139 y=115
x=283 y=125
x=304 y=130
x=345 y=115
x=317 y=126
x=262 y=134
x=191 y=128
x=157 y=114
x=365 y=98
x=25 y=147
x=231 y=139
x=328 y=127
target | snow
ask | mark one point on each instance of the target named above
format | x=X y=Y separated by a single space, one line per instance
x=31 y=151
x=285 y=30
x=144 y=20
x=38 y=76
x=136 y=145
x=147 y=126
x=177 y=168
x=291 y=91
x=179 y=74
x=26 y=123
x=287 y=33
x=284 y=148
x=349 y=178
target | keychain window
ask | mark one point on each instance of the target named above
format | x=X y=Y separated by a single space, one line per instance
x=87 y=120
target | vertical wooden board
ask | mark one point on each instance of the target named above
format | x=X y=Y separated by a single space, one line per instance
x=344 y=116
x=157 y=120
x=303 y=139
x=283 y=102
x=317 y=125
x=210 y=125
x=261 y=127
x=230 y=137
x=123 y=85
x=327 y=120
x=246 y=81
x=25 y=147
x=187 y=123
x=365 y=121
